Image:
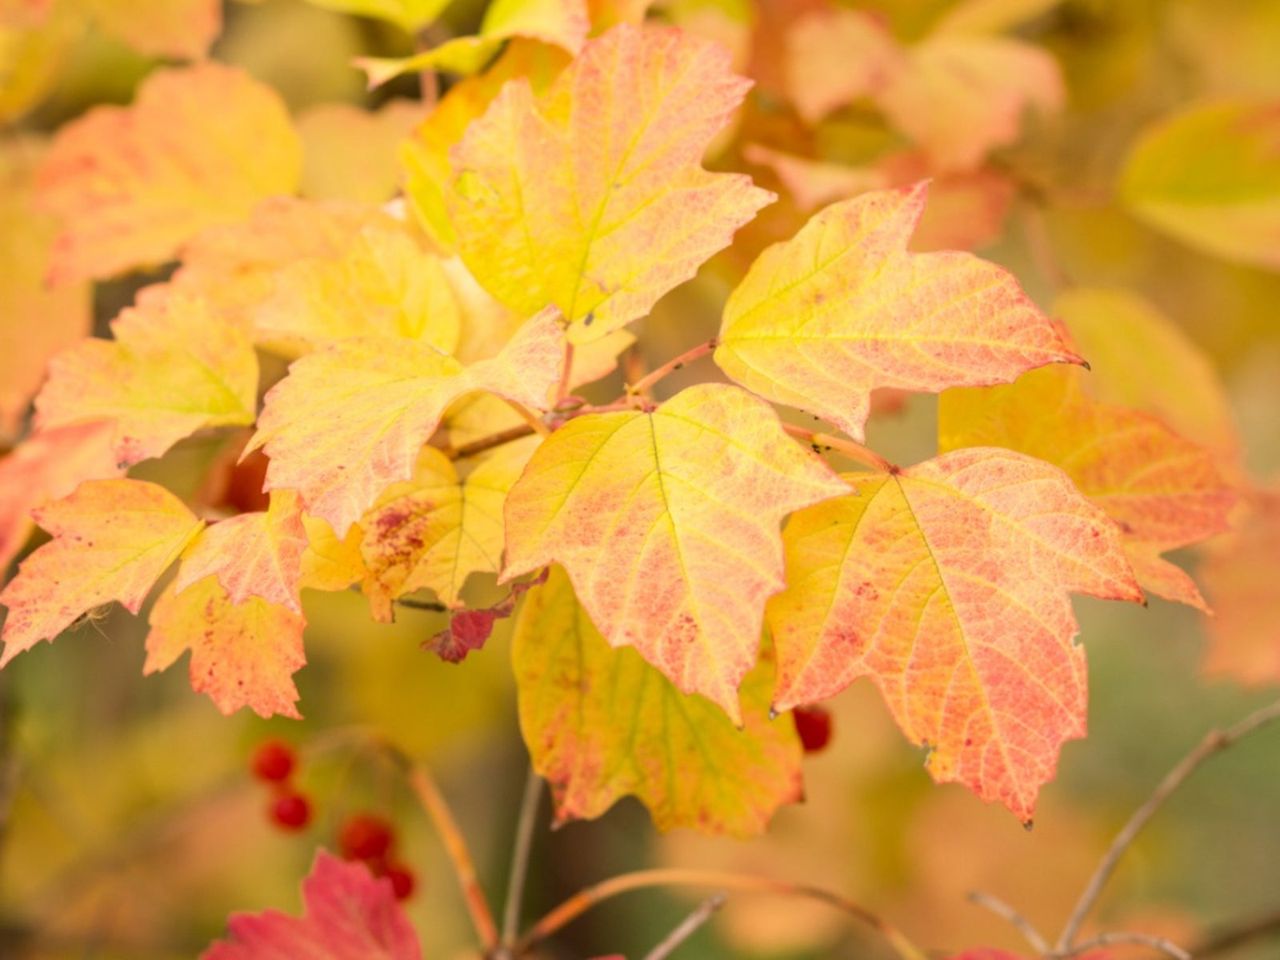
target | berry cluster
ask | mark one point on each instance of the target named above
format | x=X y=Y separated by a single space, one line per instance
x=273 y=763
x=371 y=839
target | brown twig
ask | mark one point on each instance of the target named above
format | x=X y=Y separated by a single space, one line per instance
x=687 y=928
x=488 y=443
x=1034 y=938
x=520 y=857
x=1214 y=742
x=585 y=899
x=850 y=448
x=1230 y=937
x=642 y=386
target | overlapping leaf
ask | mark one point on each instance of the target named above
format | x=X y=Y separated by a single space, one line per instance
x=1163 y=491
x=667 y=524
x=242 y=654
x=842 y=308
x=161 y=28
x=601 y=723
x=173 y=368
x=199 y=146
x=350 y=153
x=112 y=539
x=591 y=197
x=349 y=914
x=947 y=583
x=350 y=420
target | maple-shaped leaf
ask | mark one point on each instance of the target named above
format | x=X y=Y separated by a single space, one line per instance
x=349 y=420
x=948 y=584
x=161 y=28
x=562 y=23
x=171 y=369
x=253 y=555
x=1238 y=572
x=199 y=146
x=47 y=466
x=591 y=197
x=667 y=523
x=112 y=539
x=350 y=915
x=329 y=563
x=410 y=15
x=1163 y=491
x=385 y=284
x=842 y=308
x=601 y=723
x=242 y=654
x=351 y=153
x=434 y=530
x=36 y=321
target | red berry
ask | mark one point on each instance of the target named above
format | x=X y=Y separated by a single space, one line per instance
x=402 y=881
x=813 y=724
x=291 y=811
x=273 y=761
x=365 y=836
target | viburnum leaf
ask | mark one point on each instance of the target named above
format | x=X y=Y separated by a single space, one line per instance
x=36 y=321
x=1239 y=576
x=112 y=539
x=385 y=284
x=172 y=368
x=350 y=915
x=562 y=23
x=47 y=466
x=948 y=584
x=329 y=563
x=469 y=629
x=351 y=153
x=667 y=523
x=1163 y=491
x=1209 y=175
x=842 y=308
x=836 y=56
x=200 y=146
x=252 y=555
x=161 y=28
x=410 y=15
x=350 y=420
x=434 y=529
x=591 y=197
x=601 y=723
x=242 y=654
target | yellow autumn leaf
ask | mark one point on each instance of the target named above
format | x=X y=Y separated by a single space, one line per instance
x=1163 y=491
x=385 y=284
x=349 y=420
x=352 y=154
x=842 y=308
x=667 y=523
x=592 y=197
x=410 y=15
x=601 y=724
x=32 y=54
x=329 y=563
x=948 y=584
x=436 y=529
x=112 y=539
x=242 y=654
x=255 y=554
x=171 y=369
x=199 y=146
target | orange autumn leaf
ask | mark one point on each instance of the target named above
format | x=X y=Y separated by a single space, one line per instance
x=349 y=420
x=835 y=57
x=667 y=524
x=112 y=539
x=161 y=28
x=948 y=584
x=1165 y=492
x=242 y=654
x=199 y=146
x=172 y=368
x=592 y=197
x=601 y=724
x=842 y=308
x=252 y=555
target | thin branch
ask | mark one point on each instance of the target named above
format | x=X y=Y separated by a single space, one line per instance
x=520 y=857
x=1168 y=948
x=1034 y=938
x=428 y=794
x=1214 y=742
x=488 y=443
x=642 y=386
x=532 y=419
x=433 y=606
x=687 y=928
x=566 y=373
x=1040 y=246
x=1238 y=934
x=850 y=448
x=585 y=899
